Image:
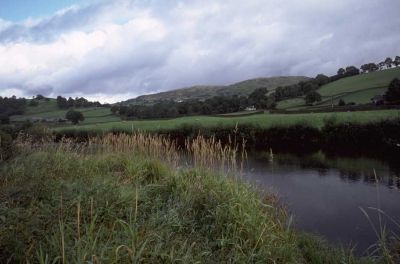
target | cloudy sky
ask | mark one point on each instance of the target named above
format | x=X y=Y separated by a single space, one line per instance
x=118 y=49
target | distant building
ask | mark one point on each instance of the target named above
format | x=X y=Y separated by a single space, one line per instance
x=250 y=108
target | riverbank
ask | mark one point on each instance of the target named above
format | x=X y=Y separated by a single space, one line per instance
x=333 y=136
x=126 y=198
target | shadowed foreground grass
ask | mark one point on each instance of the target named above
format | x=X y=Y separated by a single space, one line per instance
x=85 y=205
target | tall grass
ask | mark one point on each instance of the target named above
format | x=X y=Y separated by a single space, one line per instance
x=126 y=199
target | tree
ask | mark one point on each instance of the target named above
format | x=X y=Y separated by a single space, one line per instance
x=372 y=67
x=322 y=79
x=258 y=98
x=341 y=102
x=40 y=97
x=341 y=72
x=114 y=109
x=62 y=102
x=309 y=86
x=396 y=61
x=352 y=70
x=4 y=119
x=388 y=62
x=393 y=92
x=71 y=102
x=312 y=97
x=74 y=116
x=369 y=67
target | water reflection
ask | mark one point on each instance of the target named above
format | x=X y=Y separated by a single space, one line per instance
x=350 y=168
x=325 y=193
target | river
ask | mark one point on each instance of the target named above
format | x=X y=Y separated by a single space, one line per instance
x=326 y=195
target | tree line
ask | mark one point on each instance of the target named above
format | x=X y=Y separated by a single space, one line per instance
x=11 y=106
x=64 y=103
x=211 y=106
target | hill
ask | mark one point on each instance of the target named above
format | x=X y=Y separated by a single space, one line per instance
x=358 y=89
x=202 y=92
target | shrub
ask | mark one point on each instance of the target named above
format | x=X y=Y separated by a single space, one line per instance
x=74 y=116
x=4 y=119
x=393 y=92
x=6 y=145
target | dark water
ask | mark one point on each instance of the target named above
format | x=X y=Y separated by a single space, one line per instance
x=325 y=194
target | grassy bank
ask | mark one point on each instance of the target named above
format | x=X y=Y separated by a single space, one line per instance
x=123 y=199
x=334 y=136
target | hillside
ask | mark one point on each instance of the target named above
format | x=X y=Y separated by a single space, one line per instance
x=48 y=110
x=358 y=89
x=204 y=92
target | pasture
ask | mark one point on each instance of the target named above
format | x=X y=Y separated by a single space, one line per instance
x=263 y=120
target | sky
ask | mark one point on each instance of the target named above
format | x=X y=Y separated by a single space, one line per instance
x=119 y=49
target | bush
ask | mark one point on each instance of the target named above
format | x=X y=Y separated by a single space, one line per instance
x=393 y=92
x=312 y=97
x=6 y=145
x=4 y=119
x=74 y=116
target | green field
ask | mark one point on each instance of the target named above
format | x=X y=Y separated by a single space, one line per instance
x=358 y=89
x=360 y=82
x=263 y=120
x=49 y=109
x=242 y=113
x=291 y=103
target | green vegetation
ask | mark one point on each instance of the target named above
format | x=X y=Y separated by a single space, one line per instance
x=42 y=107
x=243 y=113
x=205 y=92
x=263 y=120
x=358 y=89
x=290 y=103
x=74 y=116
x=393 y=93
x=119 y=200
x=50 y=110
x=360 y=82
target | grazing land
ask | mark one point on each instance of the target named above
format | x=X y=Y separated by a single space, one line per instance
x=49 y=110
x=263 y=120
x=358 y=89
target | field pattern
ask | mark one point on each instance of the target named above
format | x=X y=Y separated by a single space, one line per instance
x=263 y=120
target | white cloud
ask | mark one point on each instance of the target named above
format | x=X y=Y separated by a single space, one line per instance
x=121 y=49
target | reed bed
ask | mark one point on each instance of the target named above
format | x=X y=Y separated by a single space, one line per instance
x=201 y=152
x=154 y=146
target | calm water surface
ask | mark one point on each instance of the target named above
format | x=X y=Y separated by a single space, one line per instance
x=325 y=194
